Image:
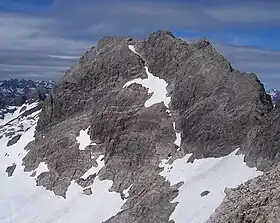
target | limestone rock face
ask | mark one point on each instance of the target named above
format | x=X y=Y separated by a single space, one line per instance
x=216 y=105
x=216 y=109
x=263 y=142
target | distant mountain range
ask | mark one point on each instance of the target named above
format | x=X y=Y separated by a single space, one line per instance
x=275 y=95
x=16 y=92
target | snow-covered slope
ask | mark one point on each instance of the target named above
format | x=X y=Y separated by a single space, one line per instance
x=204 y=183
x=14 y=93
x=21 y=201
x=16 y=111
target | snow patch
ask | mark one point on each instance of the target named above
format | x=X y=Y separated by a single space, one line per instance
x=158 y=87
x=93 y=170
x=42 y=168
x=164 y=162
x=84 y=139
x=80 y=208
x=178 y=137
x=210 y=174
x=126 y=192
x=132 y=48
x=18 y=111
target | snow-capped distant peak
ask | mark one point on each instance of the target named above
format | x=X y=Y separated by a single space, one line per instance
x=274 y=94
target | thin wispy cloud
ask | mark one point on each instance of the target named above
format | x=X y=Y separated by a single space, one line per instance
x=44 y=43
x=263 y=62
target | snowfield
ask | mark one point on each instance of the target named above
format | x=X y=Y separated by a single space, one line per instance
x=204 y=183
x=84 y=139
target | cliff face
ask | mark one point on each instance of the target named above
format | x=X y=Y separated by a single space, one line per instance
x=214 y=109
x=216 y=105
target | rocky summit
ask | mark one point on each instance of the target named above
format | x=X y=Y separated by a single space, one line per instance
x=154 y=131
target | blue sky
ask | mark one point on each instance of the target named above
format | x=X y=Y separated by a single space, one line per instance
x=40 y=39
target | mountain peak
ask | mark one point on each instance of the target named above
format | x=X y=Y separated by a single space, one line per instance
x=162 y=34
x=107 y=40
x=159 y=123
x=201 y=43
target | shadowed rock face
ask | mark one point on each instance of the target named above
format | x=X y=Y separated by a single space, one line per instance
x=264 y=142
x=212 y=105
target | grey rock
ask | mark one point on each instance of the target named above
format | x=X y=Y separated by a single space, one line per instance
x=33 y=174
x=205 y=193
x=87 y=191
x=14 y=140
x=86 y=182
x=133 y=138
x=263 y=143
x=10 y=169
x=9 y=133
x=216 y=108
x=23 y=109
x=256 y=201
x=217 y=105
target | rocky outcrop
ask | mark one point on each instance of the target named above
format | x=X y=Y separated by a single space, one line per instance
x=10 y=170
x=214 y=107
x=256 y=201
x=13 y=140
x=133 y=138
x=263 y=142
